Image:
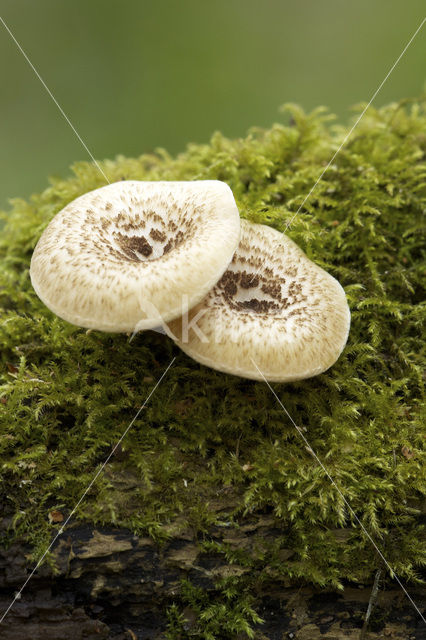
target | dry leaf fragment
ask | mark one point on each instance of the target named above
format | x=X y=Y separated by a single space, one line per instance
x=247 y=467
x=407 y=453
x=55 y=516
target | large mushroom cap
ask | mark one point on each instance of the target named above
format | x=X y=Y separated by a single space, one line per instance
x=132 y=254
x=273 y=310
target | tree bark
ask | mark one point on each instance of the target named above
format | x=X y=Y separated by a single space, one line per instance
x=113 y=585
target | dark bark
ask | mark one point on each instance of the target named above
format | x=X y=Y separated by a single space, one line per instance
x=113 y=585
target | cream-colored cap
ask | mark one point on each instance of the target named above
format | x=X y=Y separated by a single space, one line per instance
x=132 y=254
x=273 y=312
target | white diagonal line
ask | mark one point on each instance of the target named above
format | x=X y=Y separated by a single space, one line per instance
x=358 y=120
x=60 y=531
x=312 y=452
x=53 y=97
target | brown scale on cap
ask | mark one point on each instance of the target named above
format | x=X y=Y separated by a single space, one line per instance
x=158 y=235
x=233 y=281
x=133 y=245
x=248 y=280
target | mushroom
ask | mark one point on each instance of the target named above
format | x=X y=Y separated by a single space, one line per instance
x=133 y=254
x=274 y=314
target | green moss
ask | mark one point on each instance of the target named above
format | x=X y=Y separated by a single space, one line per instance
x=67 y=396
x=209 y=618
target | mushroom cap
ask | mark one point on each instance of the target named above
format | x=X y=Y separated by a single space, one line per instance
x=273 y=308
x=132 y=254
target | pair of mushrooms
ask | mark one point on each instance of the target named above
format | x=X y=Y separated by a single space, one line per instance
x=236 y=296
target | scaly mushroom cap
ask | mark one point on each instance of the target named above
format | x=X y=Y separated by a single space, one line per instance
x=132 y=254
x=273 y=308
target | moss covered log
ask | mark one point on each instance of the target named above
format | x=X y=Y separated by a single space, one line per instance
x=212 y=454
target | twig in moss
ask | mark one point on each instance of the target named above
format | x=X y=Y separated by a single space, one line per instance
x=371 y=604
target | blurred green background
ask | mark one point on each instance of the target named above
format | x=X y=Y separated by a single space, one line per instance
x=137 y=74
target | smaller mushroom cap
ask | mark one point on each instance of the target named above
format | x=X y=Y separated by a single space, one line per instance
x=273 y=312
x=131 y=255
